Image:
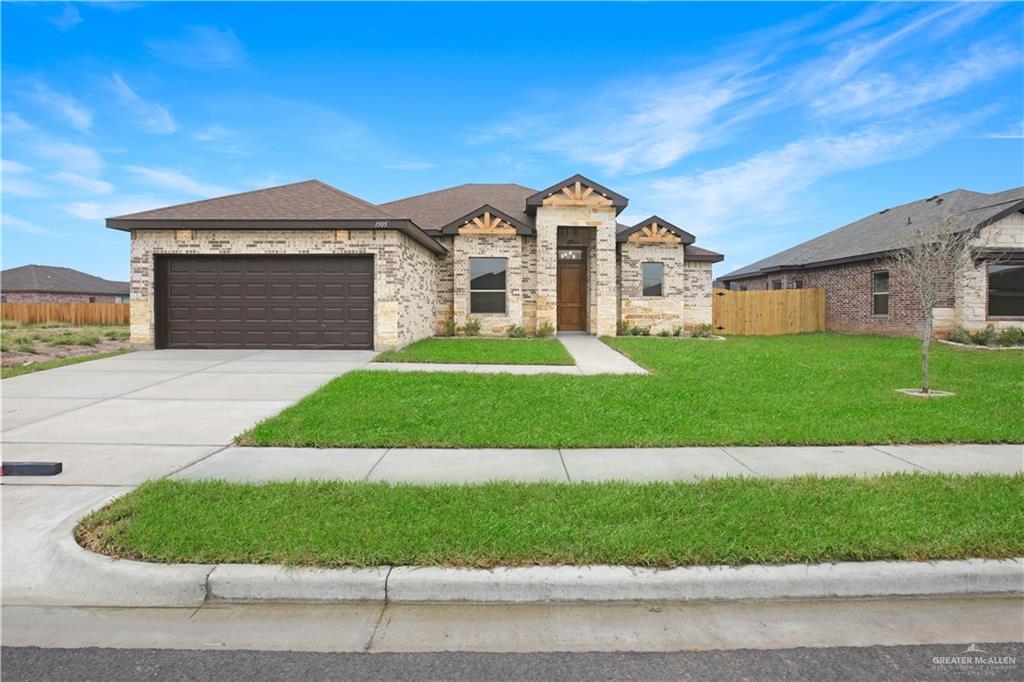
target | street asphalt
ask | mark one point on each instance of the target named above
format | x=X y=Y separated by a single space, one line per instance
x=844 y=663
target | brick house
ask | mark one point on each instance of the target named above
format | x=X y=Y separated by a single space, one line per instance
x=53 y=284
x=307 y=265
x=863 y=296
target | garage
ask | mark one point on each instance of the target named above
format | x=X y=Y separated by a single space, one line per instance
x=264 y=301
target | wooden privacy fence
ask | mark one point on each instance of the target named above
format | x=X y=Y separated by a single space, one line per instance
x=72 y=313
x=766 y=313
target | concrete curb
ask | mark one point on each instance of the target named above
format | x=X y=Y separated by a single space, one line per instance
x=96 y=580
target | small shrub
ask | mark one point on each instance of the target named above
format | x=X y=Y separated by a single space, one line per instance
x=472 y=327
x=516 y=332
x=545 y=330
x=664 y=333
x=677 y=331
x=985 y=337
x=1012 y=336
x=645 y=331
x=449 y=328
x=24 y=345
x=625 y=328
x=959 y=335
x=116 y=335
x=702 y=331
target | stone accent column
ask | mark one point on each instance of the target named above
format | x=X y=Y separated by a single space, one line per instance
x=547 y=267
x=606 y=323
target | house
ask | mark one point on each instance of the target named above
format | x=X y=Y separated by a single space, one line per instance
x=307 y=265
x=53 y=284
x=864 y=296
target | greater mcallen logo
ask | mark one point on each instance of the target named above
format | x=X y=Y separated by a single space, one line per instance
x=976 y=660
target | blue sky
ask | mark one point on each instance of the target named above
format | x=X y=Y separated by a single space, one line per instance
x=755 y=126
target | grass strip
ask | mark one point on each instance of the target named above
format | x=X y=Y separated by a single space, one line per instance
x=482 y=351
x=18 y=370
x=718 y=521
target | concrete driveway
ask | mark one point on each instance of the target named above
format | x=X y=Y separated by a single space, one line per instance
x=117 y=422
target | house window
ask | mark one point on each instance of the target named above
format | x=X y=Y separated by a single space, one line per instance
x=1006 y=290
x=880 y=293
x=92 y=299
x=776 y=284
x=570 y=254
x=743 y=287
x=124 y=299
x=654 y=279
x=798 y=284
x=487 y=285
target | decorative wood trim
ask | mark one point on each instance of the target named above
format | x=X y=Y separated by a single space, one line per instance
x=654 y=234
x=487 y=224
x=577 y=194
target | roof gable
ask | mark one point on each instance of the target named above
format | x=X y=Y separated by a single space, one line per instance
x=577 y=189
x=487 y=220
x=655 y=229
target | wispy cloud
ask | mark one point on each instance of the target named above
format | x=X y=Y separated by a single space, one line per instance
x=87 y=184
x=213 y=133
x=1012 y=132
x=62 y=105
x=9 y=166
x=15 y=124
x=95 y=210
x=11 y=222
x=67 y=19
x=23 y=187
x=166 y=178
x=201 y=47
x=409 y=165
x=148 y=115
x=75 y=158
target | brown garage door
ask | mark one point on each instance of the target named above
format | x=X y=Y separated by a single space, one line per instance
x=264 y=301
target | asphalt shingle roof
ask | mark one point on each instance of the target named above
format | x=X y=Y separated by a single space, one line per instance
x=889 y=229
x=434 y=210
x=51 y=278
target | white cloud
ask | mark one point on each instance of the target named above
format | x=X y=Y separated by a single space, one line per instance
x=8 y=166
x=62 y=105
x=18 y=225
x=94 y=210
x=166 y=178
x=214 y=133
x=67 y=19
x=409 y=165
x=201 y=47
x=1012 y=132
x=150 y=116
x=23 y=187
x=76 y=158
x=13 y=123
x=91 y=185
x=766 y=189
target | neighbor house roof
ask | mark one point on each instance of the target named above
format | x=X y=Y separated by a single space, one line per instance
x=310 y=204
x=55 y=279
x=435 y=210
x=890 y=229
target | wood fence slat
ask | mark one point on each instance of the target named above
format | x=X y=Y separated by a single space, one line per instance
x=766 y=313
x=71 y=313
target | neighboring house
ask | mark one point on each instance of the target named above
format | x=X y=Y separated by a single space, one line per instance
x=52 y=284
x=309 y=266
x=864 y=296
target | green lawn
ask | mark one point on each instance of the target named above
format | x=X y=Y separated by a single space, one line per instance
x=718 y=521
x=482 y=351
x=18 y=370
x=810 y=389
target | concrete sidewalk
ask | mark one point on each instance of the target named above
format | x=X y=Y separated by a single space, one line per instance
x=565 y=466
x=591 y=355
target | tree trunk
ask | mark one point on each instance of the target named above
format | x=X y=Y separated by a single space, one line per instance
x=926 y=339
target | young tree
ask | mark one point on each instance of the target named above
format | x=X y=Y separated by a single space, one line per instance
x=929 y=267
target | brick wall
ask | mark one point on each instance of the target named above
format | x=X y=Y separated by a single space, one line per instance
x=53 y=297
x=509 y=247
x=406 y=277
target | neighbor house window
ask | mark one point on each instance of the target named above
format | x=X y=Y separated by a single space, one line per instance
x=776 y=284
x=487 y=285
x=1006 y=290
x=743 y=287
x=92 y=299
x=798 y=284
x=880 y=293
x=654 y=279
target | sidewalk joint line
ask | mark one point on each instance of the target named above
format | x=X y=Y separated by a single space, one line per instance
x=905 y=461
x=379 y=460
x=739 y=461
x=568 y=478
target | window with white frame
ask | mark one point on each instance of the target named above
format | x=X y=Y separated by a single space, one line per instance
x=487 y=282
x=880 y=292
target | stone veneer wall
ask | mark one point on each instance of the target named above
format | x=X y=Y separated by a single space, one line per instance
x=601 y=218
x=54 y=297
x=405 y=282
x=971 y=295
x=510 y=247
x=446 y=285
x=686 y=292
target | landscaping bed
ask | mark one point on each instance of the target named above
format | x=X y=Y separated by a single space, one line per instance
x=32 y=347
x=814 y=389
x=482 y=351
x=734 y=521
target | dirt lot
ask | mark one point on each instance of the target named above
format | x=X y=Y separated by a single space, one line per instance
x=30 y=343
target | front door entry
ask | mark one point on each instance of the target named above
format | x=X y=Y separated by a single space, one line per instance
x=572 y=290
